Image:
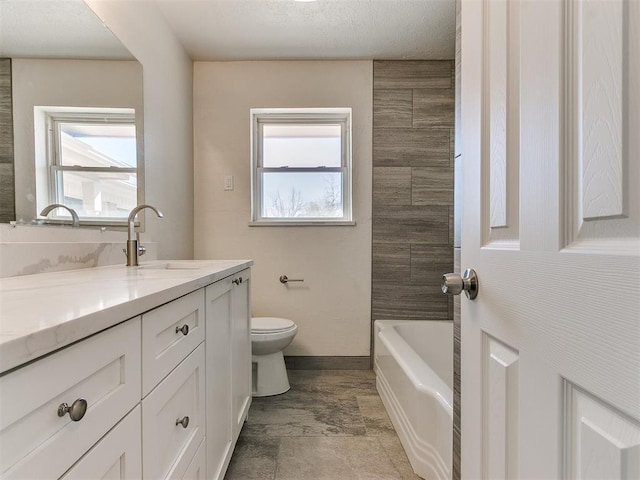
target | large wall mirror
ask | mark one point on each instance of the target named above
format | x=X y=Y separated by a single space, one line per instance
x=71 y=115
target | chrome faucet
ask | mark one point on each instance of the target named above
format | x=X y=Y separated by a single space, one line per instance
x=74 y=216
x=132 y=251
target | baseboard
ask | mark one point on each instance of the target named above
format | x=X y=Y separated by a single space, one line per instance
x=327 y=363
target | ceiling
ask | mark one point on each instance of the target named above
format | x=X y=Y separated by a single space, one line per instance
x=322 y=29
x=243 y=29
x=55 y=29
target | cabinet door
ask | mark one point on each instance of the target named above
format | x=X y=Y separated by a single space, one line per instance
x=167 y=445
x=218 y=373
x=104 y=370
x=241 y=350
x=117 y=456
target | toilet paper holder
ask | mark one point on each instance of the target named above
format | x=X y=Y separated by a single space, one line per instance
x=285 y=279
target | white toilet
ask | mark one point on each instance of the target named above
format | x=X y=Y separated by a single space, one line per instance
x=269 y=336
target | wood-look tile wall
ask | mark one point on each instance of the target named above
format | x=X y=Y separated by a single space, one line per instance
x=413 y=120
x=7 y=202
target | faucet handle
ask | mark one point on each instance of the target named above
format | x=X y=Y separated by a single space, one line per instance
x=141 y=250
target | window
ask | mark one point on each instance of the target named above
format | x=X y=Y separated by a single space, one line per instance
x=301 y=166
x=91 y=163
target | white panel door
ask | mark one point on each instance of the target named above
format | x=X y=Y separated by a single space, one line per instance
x=551 y=224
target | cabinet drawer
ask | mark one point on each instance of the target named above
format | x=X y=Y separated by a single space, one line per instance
x=103 y=369
x=117 y=456
x=196 y=469
x=169 y=334
x=167 y=446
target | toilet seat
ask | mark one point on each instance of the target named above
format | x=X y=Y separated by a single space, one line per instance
x=266 y=325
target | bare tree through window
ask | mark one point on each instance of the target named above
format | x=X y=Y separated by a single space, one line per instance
x=294 y=204
x=291 y=205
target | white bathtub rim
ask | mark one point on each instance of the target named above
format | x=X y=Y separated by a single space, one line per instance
x=416 y=449
x=416 y=369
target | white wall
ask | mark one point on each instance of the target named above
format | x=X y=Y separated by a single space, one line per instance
x=168 y=119
x=332 y=306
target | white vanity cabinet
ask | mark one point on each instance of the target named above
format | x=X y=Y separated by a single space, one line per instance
x=166 y=392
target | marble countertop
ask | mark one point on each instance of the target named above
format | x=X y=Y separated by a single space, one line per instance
x=44 y=312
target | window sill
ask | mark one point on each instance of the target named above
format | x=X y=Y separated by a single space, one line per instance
x=297 y=223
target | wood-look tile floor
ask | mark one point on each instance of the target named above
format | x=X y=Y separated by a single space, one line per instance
x=331 y=425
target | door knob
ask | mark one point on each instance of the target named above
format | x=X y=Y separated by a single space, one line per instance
x=454 y=284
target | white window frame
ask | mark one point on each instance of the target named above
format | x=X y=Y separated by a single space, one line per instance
x=301 y=116
x=49 y=162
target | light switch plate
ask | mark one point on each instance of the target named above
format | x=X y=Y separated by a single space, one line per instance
x=228 y=182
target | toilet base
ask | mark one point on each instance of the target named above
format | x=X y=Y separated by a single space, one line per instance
x=269 y=375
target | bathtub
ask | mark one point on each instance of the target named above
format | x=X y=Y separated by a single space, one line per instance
x=414 y=377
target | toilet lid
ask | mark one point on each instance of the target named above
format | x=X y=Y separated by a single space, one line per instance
x=270 y=324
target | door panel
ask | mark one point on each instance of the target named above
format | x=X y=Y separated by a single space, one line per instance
x=600 y=441
x=602 y=86
x=550 y=347
x=500 y=127
x=500 y=422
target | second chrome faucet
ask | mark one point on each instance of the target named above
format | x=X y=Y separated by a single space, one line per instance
x=75 y=221
x=132 y=243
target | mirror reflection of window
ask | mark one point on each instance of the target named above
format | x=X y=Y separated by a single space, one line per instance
x=91 y=162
